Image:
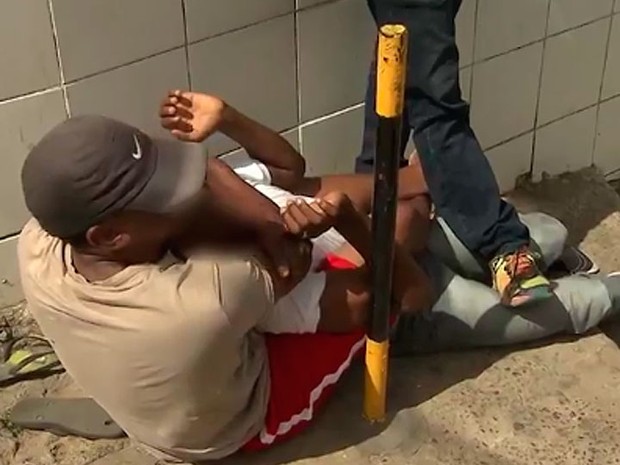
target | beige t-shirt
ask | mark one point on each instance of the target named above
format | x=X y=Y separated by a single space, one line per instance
x=168 y=350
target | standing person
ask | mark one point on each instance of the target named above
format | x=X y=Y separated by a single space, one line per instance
x=460 y=179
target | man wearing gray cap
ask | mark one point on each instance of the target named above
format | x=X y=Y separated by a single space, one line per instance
x=176 y=342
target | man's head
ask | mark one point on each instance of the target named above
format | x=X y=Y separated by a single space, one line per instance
x=108 y=188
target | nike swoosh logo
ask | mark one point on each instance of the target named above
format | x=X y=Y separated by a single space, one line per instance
x=137 y=154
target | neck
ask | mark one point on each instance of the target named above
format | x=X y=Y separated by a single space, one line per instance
x=95 y=268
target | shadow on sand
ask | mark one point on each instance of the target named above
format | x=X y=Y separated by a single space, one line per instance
x=413 y=380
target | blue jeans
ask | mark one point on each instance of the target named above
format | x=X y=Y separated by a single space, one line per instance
x=460 y=179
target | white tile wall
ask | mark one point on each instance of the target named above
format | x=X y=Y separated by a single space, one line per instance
x=291 y=136
x=507 y=24
x=566 y=14
x=308 y=3
x=572 y=70
x=510 y=160
x=607 y=148
x=465 y=25
x=131 y=93
x=334 y=64
x=331 y=145
x=22 y=123
x=254 y=70
x=100 y=34
x=27 y=52
x=465 y=82
x=565 y=145
x=504 y=95
x=611 y=81
x=213 y=17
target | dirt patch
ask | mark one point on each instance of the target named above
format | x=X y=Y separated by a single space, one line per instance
x=586 y=204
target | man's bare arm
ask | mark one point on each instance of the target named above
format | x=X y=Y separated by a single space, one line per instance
x=194 y=116
x=359 y=187
x=239 y=210
x=285 y=164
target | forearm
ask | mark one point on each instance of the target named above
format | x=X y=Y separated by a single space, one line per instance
x=360 y=187
x=241 y=204
x=286 y=165
x=357 y=187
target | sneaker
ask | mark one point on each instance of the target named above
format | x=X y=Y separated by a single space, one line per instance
x=572 y=261
x=518 y=280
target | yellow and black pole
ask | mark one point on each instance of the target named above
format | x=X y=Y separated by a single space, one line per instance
x=391 y=71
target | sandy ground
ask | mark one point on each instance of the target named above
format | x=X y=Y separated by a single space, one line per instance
x=553 y=403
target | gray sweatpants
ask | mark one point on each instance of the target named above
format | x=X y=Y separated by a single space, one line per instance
x=469 y=314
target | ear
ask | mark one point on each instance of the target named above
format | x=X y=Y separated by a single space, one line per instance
x=107 y=236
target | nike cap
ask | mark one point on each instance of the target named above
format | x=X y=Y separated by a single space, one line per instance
x=89 y=167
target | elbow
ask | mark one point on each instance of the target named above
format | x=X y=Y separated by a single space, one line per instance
x=292 y=176
x=297 y=171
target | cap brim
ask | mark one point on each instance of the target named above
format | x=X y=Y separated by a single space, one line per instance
x=179 y=175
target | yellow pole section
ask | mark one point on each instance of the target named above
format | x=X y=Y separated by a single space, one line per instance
x=391 y=72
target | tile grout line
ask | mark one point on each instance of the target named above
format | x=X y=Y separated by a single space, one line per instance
x=171 y=49
x=315 y=5
x=473 y=54
x=298 y=75
x=611 y=97
x=572 y=113
x=539 y=90
x=186 y=44
x=534 y=42
x=333 y=114
x=243 y=27
x=600 y=89
x=178 y=47
x=17 y=98
x=507 y=141
x=548 y=123
x=128 y=63
x=61 y=70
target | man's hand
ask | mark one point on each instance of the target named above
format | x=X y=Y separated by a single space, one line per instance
x=298 y=255
x=191 y=116
x=270 y=239
x=309 y=220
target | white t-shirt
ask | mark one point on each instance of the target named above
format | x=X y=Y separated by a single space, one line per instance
x=257 y=175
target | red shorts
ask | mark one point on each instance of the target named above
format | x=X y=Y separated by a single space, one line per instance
x=304 y=369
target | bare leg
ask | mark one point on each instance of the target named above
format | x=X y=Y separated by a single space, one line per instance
x=345 y=302
x=412 y=229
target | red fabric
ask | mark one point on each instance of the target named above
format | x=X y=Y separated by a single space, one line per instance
x=304 y=369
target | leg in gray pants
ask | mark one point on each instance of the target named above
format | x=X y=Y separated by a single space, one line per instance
x=468 y=312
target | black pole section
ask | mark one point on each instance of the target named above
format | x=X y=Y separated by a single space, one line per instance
x=384 y=223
